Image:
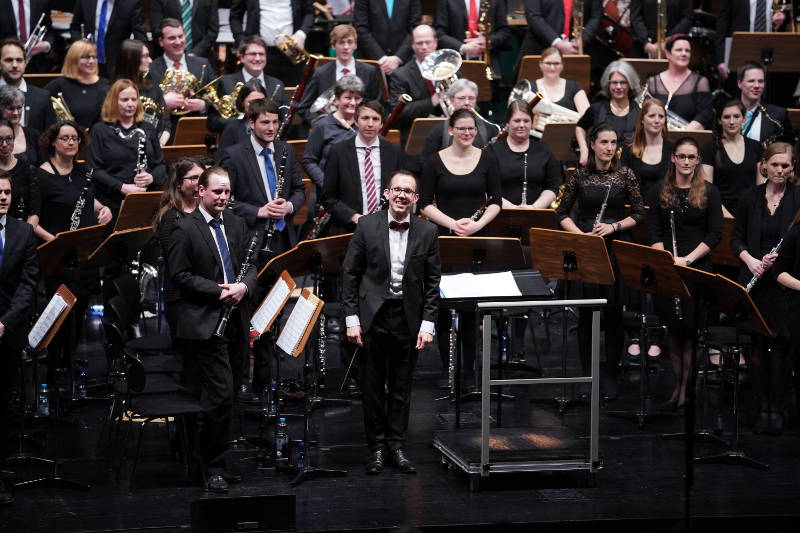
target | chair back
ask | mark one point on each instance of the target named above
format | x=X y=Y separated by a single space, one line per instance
x=136 y=376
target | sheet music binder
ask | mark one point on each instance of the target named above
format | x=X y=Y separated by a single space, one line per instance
x=295 y=333
x=48 y=323
x=273 y=302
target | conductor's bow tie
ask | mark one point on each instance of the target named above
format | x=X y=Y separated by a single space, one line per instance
x=399 y=226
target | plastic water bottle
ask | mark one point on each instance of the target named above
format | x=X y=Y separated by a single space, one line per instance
x=281 y=439
x=80 y=382
x=301 y=455
x=272 y=406
x=504 y=344
x=44 y=401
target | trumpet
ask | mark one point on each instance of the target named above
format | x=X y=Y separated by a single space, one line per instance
x=60 y=108
x=441 y=67
x=287 y=46
x=35 y=38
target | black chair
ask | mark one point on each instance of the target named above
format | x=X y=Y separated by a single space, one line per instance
x=119 y=312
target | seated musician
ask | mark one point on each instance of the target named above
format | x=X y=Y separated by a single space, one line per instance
x=12 y=105
x=344 y=42
x=648 y=155
x=560 y=91
x=549 y=25
x=763 y=122
x=643 y=22
x=26 y=198
x=252 y=53
x=37 y=113
x=386 y=37
x=457 y=28
x=237 y=128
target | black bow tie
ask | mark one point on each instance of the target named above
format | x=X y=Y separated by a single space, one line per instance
x=398 y=226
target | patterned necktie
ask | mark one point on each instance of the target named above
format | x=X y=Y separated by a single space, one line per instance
x=369 y=181
x=271 y=180
x=2 y=245
x=761 y=16
x=101 y=33
x=345 y=71
x=224 y=252
x=186 y=19
x=23 y=27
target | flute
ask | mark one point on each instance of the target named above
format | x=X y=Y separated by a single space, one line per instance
x=603 y=207
x=677 y=301
x=756 y=277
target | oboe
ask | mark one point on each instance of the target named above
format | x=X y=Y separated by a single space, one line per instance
x=524 y=179
x=677 y=301
x=481 y=210
x=603 y=207
x=756 y=277
x=75 y=219
x=269 y=230
x=219 y=331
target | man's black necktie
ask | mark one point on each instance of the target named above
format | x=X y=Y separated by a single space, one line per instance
x=224 y=252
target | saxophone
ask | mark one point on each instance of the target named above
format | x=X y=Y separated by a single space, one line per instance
x=75 y=219
x=524 y=179
x=485 y=28
x=269 y=230
x=677 y=301
x=778 y=134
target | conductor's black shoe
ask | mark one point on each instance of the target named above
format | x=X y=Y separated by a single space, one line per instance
x=375 y=465
x=402 y=462
x=6 y=498
x=216 y=483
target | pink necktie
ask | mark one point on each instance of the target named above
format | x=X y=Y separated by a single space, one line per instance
x=369 y=181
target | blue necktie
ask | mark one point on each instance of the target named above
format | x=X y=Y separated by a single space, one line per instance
x=271 y=180
x=227 y=264
x=1 y=245
x=389 y=7
x=101 y=34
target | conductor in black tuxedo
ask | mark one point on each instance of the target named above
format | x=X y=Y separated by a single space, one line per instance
x=549 y=25
x=205 y=254
x=391 y=291
x=16 y=25
x=122 y=18
x=19 y=275
x=386 y=37
x=201 y=23
x=38 y=112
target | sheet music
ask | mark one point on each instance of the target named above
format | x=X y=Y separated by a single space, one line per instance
x=468 y=285
x=296 y=325
x=270 y=306
x=46 y=320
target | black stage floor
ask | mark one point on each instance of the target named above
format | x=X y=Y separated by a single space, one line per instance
x=640 y=488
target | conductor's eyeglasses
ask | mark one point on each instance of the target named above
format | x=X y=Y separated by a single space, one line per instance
x=400 y=190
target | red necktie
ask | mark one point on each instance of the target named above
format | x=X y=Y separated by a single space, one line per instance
x=177 y=65
x=345 y=71
x=472 y=18
x=567 y=18
x=431 y=88
x=23 y=28
x=369 y=181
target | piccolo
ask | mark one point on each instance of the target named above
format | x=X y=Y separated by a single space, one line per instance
x=756 y=277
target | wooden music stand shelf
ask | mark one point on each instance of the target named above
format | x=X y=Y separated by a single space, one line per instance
x=778 y=51
x=646 y=67
x=191 y=130
x=173 y=152
x=137 y=210
x=420 y=129
x=576 y=67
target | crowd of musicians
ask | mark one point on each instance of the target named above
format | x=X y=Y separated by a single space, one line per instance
x=72 y=151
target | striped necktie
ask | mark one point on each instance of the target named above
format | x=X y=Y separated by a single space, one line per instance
x=186 y=19
x=369 y=181
x=761 y=16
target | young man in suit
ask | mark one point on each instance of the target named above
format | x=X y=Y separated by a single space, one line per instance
x=344 y=41
x=38 y=112
x=457 y=27
x=252 y=53
x=206 y=252
x=109 y=23
x=742 y=15
x=761 y=119
x=549 y=25
x=20 y=23
x=19 y=275
x=391 y=292
x=200 y=20
x=386 y=37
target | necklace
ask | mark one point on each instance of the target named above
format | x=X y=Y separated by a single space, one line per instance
x=618 y=109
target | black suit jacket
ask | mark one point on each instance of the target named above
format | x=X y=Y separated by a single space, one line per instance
x=194 y=63
x=341 y=193
x=126 y=18
x=205 y=21
x=366 y=271
x=643 y=18
x=38 y=110
x=734 y=15
x=302 y=17
x=450 y=21
x=247 y=186
x=408 y=80
x=769 y=128
x=195 y=268
x=324 y=78
x=19 y=276
x=546 y=20
x=274 y=86
x=379 y=35
x=10 y=30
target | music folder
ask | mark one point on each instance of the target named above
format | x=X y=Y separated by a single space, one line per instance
x=295 y=333
x=273 y=303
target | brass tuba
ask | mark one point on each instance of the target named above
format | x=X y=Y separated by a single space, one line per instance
x=441 y=67
x=287 y=46
x=60 y=108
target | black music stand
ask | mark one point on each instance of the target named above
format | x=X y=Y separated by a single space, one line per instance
x=120 y=247
x=646 y=269
x=776 y=50
x=557 y=254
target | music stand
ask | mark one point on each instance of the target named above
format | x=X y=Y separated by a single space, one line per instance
x=137 y=210
x=646 y=269
x=701 y=137
x=69 y=250
x=516 y=221
x=776 y=50
x=419 y=131
x=557 y=254
x=646 y=67
x=121 y=247
x=560 y=138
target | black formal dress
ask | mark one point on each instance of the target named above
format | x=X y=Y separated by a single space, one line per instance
x=439 y=139
x=390 y=319
x=542 y=171
x=326 y=132
x=204 y=25
x=324 y=78
x=691 y=101
x=60 y=194
x=571 y=88
x=38 y=110
x=26 y=197
x=275 y=92
x=600 y=111
x=643 y=19
x=380 y=34
x=647 y=174
x=546 y=21
x=32 y=154
x=732 y=179
x=85 y=101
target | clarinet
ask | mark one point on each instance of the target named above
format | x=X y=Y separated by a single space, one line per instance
x=524 y=179
x=141 y=155
x=677 y=301
x=219 y=331
x=756 y=277
x=75 y=219
x=322 y=354
x=481 y=210
x=603 y=207
x=451 y=364
x=269 y=230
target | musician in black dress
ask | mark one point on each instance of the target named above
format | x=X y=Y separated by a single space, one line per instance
x=178 y=200
x=457 y=183
x=695 y=207
x=80 y=84
x=762 y=219
x=62 y=180
x=730 y=161
x=124 y=150
x=25 y=199
x=649 y=153
x=787 y=271
x=603 y=186
x=26 y=145
x=685 y=93
x=520 y=159
x=237 y=129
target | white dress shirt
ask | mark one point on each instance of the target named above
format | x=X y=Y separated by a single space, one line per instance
x=375 y=157
x=275 y=17
x=753 y=7
x=20 y=23
x=97 y=11
x=257 y=148
x=351 y=69
x=207 y=216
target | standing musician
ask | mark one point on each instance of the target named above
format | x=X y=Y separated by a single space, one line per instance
x=648 y=156
x=205 y=253
x=19 y=275
x=38 y=112
x=742 y=15
x=456 y=24
x=391 y=303
x=237 y=129
x=762 y=219
x=787 y=271
x=200 y=21
x=549 y=24
x=694 y=204
x=763 y=122
x=603 y=186
x=26 y=199
x=26 y=145
x=386 y=37
x=20 y=25
x=644 y=22
x=124 y=151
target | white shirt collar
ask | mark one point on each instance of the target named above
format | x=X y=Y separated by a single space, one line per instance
x=257 y=148
x=351 y=66
x=23 y=86
x=247 y=77
x=3 y=220
x=406 y=219
x=376 y=142
x=206 y=215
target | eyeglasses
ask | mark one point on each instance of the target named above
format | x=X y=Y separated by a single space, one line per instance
x=190 y=178
x=465 y=129
x=464 y=98
x=681 y=157
x=7 y=140
x=255 y=54
x=69 y=138
x=14 y=108
x=552 y=63
x=400 y=190
x=89 y=58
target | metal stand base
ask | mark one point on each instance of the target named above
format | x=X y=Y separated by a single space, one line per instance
x=731 y=457
x=700 y=435
x=307 y=474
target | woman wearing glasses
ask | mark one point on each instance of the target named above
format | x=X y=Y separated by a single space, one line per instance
x=25 y=194
x=566 y=93
x=80 y=84
x=62 y=180
x=602 y=186
x=694 y=205
x=26 y=145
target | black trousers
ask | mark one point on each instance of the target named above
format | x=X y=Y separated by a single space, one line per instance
x=387 y=369
x=279 y=66
x=9 y=361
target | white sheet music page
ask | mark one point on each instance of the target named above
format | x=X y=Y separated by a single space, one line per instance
x=270 y=306
x=296 y=325
x=468 y=285
x=46 y=320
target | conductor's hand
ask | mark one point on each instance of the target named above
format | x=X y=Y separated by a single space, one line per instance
x=278 y=208
x=354 y=335
x=232 y=293
x=423 y=339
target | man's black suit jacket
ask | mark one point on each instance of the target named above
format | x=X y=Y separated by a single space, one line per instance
x=195 y=268
x=273 y=85
x=19 y=276
x=324 y=78
x=10 y=30
x=366 y=271
x=341 y=194
x=38 y=110
x=450 y=21
x=126 y=18
x=379 y=35
x=644 y=16
x=302 y=17
x=408 y=80
x=205 y=21
x=546 y=21
x=247 y=186
x=194 y=63
x=734 y=15
x=769 y=128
